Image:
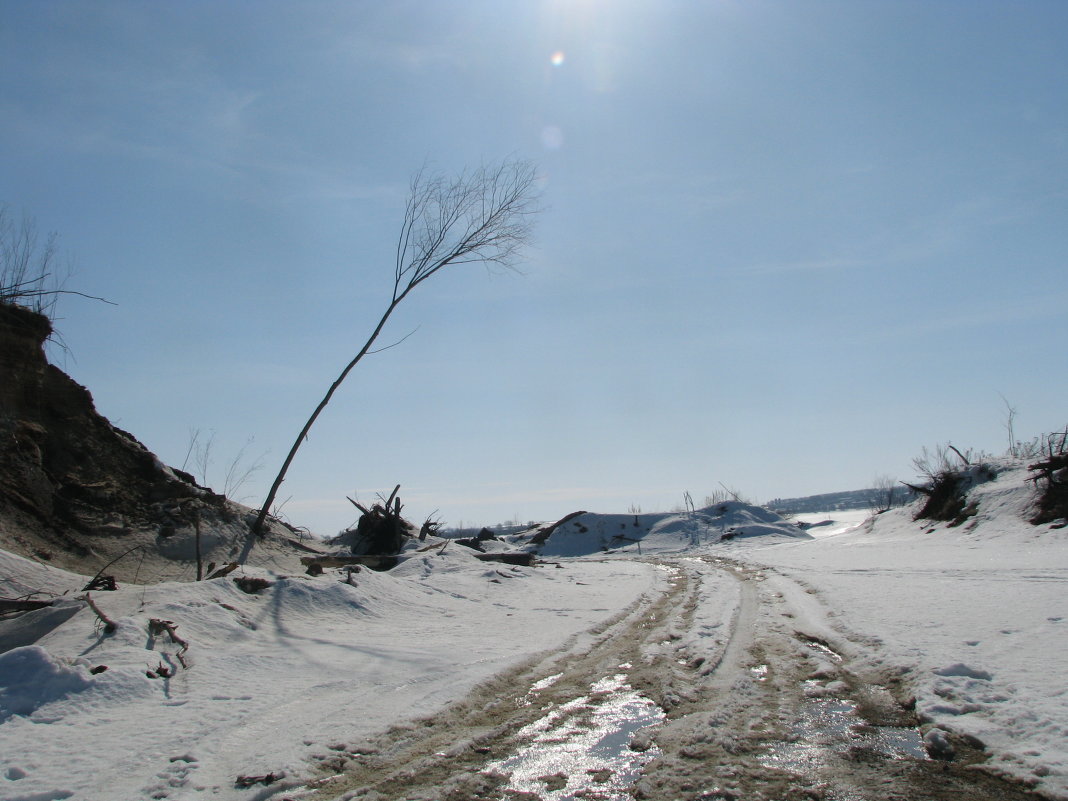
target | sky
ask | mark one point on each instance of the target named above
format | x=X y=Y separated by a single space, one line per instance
x=782 y=246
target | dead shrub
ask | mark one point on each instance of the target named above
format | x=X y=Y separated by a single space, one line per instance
x=1051 y=480
x=950 y=474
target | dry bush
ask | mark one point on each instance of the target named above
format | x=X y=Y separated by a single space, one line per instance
x=949 y=474
x=1051 y=479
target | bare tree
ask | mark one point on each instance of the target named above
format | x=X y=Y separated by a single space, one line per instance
x=882 y=494
x=482 y=215
x=1010 y=427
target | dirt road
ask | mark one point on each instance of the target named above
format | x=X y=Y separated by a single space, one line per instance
x=721 y=686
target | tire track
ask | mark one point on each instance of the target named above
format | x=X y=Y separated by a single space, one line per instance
x=755 y=708
x=448 y=755
x=783 y=716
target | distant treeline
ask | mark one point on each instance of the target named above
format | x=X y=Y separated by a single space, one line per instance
x=838 y=501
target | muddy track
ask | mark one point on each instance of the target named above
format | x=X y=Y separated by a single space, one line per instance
x=783 y=716
x=674 y=698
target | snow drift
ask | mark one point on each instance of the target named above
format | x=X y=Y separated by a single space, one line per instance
x=673 y=532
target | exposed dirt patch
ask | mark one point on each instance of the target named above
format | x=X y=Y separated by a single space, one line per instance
x=76 y=491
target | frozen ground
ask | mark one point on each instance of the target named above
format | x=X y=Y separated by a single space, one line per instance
x=968 y=619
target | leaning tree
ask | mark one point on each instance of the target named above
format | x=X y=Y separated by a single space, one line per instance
x=482 y=215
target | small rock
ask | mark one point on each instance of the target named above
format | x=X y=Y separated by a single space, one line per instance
x=641 y=742
x=938 y=746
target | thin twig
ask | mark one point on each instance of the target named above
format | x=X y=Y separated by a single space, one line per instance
x=399 y=341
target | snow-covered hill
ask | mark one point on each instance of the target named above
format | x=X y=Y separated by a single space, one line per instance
x=672 y=532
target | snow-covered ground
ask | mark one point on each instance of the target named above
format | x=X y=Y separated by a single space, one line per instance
x=973 y=617
x=977 y=614
x=273 y=678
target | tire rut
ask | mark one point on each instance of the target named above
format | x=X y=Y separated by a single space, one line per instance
x=785 y=717
x=752 y=708
x=450 y=755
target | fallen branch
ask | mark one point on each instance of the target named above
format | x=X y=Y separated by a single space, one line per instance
x=358 y=506
x=250 y=781
x=157 y=626
x=963 y=458
x=225 y=570
x=109 y=625
x=544 y=533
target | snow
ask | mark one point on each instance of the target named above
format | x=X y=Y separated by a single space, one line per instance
x=972 y=618
x=274 y=678
x=664 y=533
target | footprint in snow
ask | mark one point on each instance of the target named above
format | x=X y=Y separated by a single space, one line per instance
x=964 y=671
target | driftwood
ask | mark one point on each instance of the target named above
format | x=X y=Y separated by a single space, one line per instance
x=544 y=533
x=251 y=781
x=300 y=546
x=363 y=509
x=225 y=570
x=430 y=526
x=380 y=532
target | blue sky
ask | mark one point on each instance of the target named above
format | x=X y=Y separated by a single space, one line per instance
x=784 y=245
